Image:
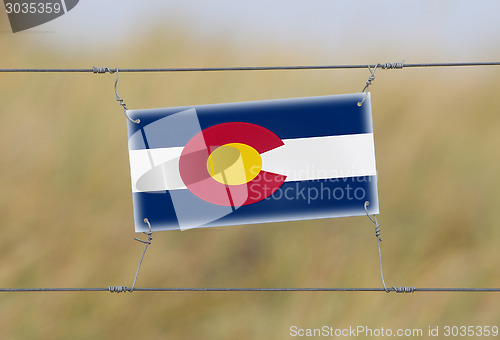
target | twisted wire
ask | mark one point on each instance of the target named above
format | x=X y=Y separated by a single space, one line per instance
x=118 y=98
x=404 y=289
x=392 y=66
x=102 y=70
x=377 y=234
x=371 y=78
x=147 y=243
x=379 y=239
x=117 y=289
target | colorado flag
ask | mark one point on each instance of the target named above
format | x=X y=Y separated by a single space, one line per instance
x=253 y=162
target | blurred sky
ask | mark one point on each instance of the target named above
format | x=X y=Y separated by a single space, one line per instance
x=447 y=30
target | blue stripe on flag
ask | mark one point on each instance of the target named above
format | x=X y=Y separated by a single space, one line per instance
x=292 y=201
x=287 y=118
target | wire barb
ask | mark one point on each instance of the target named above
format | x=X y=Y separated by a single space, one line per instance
x=117 y=289
x=392 y=66
x=102 y=70
x=404 y=289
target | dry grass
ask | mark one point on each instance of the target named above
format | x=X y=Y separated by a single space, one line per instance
x=66 y=211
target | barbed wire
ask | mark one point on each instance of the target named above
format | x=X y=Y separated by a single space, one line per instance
x=121 y=289
x=398 y=65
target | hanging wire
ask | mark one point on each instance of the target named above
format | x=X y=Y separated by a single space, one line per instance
x=118 y=98
x=147 y=243
x=122 y=289
x=377 y=235
x=371 y=78
x=250 y=68
x=373 y=218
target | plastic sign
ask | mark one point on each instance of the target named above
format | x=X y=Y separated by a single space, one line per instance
x=254 y=162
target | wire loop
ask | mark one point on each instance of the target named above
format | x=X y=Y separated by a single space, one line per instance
x=371 y=78
x=368 y=83
x=102 y=70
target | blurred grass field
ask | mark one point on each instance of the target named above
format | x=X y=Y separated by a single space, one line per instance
x=66 y=208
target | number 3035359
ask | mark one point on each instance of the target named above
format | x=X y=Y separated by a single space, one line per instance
x=470 y=331
x=32 y=8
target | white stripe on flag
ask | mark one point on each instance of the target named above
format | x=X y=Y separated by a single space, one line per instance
x=323 y=157
x=299 y=159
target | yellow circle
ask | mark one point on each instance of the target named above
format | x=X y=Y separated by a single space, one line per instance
x=234 y=164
